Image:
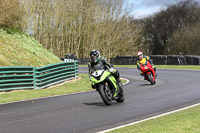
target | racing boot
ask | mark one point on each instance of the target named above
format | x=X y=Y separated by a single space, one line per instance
x=141 y=73
x=155 y=71
x=93 y=86
x=120 y=84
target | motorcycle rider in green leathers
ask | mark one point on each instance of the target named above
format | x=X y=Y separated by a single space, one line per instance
x=98 y=63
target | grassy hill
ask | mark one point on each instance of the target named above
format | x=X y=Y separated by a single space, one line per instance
x=19 y=49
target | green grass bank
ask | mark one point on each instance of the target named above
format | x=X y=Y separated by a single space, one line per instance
x=19 y=49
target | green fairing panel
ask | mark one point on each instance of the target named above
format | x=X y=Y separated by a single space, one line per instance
x=93 y=80
x=103 y=77
x=113 y=80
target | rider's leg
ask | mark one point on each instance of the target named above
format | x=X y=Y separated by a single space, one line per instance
x=141 y=73
x=155 y=70
x=117 y=76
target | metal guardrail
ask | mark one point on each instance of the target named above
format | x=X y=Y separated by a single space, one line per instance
x=52 y=74
x=14 y=78
x=156 y=59
x=159 y=60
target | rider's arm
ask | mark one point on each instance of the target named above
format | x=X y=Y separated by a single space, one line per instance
x=150 y=61
x=90 y=71
x=89 y=68
x=106 y=63
x=138 y=65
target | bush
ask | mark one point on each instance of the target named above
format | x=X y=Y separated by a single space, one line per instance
x=185 y=41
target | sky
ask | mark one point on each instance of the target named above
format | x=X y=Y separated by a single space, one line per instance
x=143 y=8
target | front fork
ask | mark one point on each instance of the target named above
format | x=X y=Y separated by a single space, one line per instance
x=111 y=83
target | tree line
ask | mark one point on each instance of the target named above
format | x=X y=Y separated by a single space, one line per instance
x=173 y=30
x=78 y=26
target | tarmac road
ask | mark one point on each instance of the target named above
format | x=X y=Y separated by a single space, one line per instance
x=86 y=112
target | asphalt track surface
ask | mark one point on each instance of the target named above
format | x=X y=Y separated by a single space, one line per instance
x=86 y=113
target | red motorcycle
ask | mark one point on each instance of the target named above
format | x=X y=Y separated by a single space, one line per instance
x=148 y=72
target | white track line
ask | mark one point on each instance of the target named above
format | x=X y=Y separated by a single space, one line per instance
x=150 y=118
x=127 y=81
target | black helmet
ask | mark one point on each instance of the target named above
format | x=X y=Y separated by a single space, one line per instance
x=95 y=56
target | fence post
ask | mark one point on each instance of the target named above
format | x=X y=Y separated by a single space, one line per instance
x=76 y=75
x=34 y=79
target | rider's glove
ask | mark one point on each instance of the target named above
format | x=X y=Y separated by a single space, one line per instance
x=141 y=73
x=93 y=86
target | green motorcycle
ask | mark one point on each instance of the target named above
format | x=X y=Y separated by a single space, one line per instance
x=107 y=86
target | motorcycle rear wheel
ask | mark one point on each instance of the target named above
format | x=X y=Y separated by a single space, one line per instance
x=121 y=97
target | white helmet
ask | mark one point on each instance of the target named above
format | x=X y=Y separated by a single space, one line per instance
x=140 y=55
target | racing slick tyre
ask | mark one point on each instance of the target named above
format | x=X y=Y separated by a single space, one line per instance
x=121 y=97
x=105 y=94
x=150 y=78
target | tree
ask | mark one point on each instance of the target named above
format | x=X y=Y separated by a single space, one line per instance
x=160 y=26
x=185 y=41
x=78 y=26
x=9 y=13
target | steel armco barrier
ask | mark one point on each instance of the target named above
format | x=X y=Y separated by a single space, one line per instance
x=14 y=78
x=156 y=60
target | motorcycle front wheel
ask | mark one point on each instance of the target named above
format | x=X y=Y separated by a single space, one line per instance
x=105 y=94
x=150 y=78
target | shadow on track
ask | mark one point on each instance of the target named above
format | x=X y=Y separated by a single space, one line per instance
x=95 y=104
x=98 y=104
x=145 y=84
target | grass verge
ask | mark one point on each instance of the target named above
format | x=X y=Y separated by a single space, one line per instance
x=72 y=86
x=186 y=121
x=183 y=67
x=82 y=84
